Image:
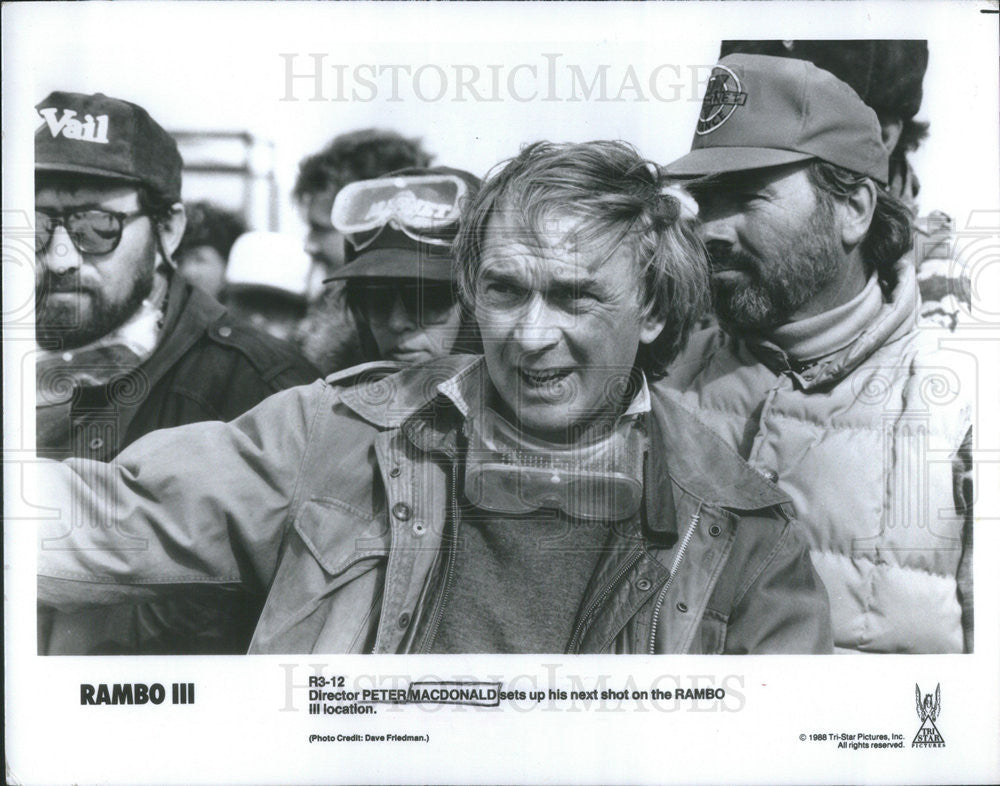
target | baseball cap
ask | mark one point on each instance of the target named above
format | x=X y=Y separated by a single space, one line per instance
x=887 y=74
x=762 y=111
x=98 y=135
x=402 y=225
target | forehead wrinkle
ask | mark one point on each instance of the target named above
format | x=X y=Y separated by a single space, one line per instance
x=562 y=234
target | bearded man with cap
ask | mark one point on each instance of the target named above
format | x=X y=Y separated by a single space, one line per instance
x=536 y=498
x=888 y=76
x=126 y=346
x=819 y=376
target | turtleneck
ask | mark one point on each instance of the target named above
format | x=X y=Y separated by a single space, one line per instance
x=816 y=337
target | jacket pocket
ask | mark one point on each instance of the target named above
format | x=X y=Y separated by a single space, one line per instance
x=325 y=593
x=338 y=535
x=712 y=638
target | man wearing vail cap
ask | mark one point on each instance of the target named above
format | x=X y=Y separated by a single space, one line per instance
x=819 y=376
x=125 y=346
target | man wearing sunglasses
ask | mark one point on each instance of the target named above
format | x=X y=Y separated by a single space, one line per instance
x=399 y=233
x=126 y=346
x=538 y=498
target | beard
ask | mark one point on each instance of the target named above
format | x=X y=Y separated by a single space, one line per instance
x=79 y=320
x=769 y=292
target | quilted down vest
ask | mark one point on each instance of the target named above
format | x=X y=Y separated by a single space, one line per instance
x=870 y=444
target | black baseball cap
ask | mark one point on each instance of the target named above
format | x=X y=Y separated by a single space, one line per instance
x=108 y=137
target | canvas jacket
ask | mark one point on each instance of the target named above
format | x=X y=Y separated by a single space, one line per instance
x=335 y=499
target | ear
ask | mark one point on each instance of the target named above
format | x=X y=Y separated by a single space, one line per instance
x=856 y=214
x=650 y=328
x=171 y=228
x=891 y=129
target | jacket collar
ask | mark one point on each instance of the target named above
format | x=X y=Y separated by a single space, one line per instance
x=189 y=314
x=387 y=401
x=700 y=462
x=681 y=448
x=896 y=318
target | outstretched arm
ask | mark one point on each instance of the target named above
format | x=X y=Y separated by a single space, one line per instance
x=204 y=503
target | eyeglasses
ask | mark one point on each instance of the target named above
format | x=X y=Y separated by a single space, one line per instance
x=92 y=231
x=425 y=304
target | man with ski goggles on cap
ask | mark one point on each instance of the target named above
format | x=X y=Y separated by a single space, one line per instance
x=126 y=346
x=537 y=498
x=399 y=233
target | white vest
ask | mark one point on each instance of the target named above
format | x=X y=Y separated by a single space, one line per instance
x=864 y=441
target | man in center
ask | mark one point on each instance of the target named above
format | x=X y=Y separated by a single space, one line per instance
x=534 y=499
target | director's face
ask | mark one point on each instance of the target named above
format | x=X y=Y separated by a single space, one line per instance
x=561 y=324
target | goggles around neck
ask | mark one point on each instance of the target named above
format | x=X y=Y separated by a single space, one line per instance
x=597 y=479
x=425 y=208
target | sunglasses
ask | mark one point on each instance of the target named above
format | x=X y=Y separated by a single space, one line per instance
x=425 y=304
x=92 y=231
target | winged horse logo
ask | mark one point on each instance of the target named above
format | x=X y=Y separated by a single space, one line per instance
x=928 y=710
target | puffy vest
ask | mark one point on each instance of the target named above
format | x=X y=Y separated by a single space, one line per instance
x=866 y=442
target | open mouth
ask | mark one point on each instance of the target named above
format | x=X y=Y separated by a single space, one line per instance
x=544 y=377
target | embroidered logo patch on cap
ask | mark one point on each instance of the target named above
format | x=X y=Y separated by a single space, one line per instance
x=90 y=130
x=722 y=96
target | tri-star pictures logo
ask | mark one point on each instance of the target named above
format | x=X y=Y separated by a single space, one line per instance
x=928 y=710
x=723 y=94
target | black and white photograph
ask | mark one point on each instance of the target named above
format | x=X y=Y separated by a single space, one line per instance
x=501 y=392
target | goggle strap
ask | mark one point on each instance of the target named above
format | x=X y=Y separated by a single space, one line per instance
x=361 y=245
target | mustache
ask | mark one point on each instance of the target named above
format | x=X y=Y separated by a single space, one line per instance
x=723 y=256
x=66 y=282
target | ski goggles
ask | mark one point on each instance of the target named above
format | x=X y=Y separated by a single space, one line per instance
x=92 y=231
x=425 y=208
x=597 y=481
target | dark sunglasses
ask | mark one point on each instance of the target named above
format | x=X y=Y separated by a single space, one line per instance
x=92 y=231
x=424 y=303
